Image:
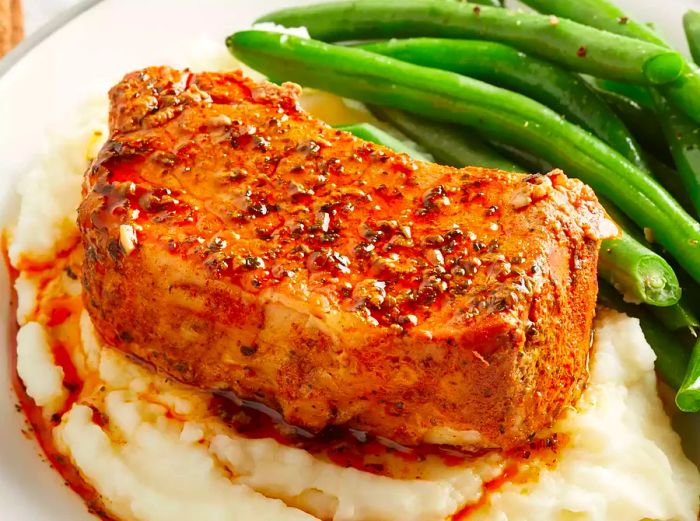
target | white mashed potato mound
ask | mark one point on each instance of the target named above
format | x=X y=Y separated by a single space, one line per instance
x=345 y=494
x=37 y=367
x=155 y=476
x=50 y=192
x=162 y=455
x=27 y=294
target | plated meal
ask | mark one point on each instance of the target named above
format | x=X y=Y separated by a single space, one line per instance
x=422 y=260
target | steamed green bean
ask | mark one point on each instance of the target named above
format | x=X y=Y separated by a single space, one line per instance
x=565 y=93
x=573 y=45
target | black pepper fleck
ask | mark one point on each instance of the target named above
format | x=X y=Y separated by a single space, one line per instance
x=249 y=350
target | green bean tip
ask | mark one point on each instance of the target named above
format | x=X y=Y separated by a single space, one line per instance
x=663 y=68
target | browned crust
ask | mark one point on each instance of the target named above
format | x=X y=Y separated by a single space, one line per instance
x=504 y=369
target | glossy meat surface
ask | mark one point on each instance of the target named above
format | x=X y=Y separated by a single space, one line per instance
x=235 y=242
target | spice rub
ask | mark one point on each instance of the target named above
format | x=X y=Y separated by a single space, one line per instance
x=238 y=244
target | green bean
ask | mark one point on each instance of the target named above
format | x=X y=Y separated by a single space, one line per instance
x=682 y=314
x=497 y=113
x=691 y=292
x=684 y=91
x=679 y=316
x=681 y=133
x=691 y=24
x=641 y=122
x=640 y=95
x=669 y=179
x=369 y=132
x=503 y=66
x=635 y=96
x=688 y=395
x=532 y=163
x=670 y=349
x=647 y=100
x=683 y=137
x=576 y=46
x=674 y=124
x=449 y=144
x=600 y=14
x=639 y=274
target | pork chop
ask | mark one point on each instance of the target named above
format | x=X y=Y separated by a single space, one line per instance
x=237 y=243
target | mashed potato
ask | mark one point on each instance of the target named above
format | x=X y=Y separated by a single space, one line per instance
x=153 y=449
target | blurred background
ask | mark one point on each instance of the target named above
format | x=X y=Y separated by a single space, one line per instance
x=20 y=18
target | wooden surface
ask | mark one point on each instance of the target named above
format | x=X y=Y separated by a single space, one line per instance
x=11 y=25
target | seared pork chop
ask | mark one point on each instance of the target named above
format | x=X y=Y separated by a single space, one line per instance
x=235 y=242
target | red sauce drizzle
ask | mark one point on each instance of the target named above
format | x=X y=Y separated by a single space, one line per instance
x=71 y=380
x=489 y=487
x=30 y=265
x=41 y=427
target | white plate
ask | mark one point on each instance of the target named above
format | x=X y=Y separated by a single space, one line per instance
x=89 y=49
